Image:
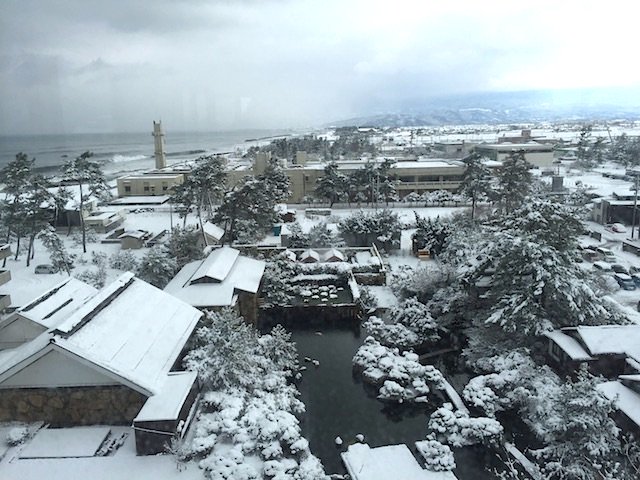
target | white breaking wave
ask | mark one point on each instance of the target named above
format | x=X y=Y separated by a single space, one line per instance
x=127 y=158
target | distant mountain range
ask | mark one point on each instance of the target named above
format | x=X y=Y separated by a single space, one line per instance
x=509 y=107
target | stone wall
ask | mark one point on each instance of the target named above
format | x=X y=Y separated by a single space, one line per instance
x=67 y=406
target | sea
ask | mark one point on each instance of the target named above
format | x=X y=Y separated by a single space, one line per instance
x=126 y=152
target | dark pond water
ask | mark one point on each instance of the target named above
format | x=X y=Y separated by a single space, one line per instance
x=338 y=404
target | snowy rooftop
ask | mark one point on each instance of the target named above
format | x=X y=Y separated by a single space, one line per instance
x=569 y=345
x=383 y=463
x=217 y=265
x=625 y=399
x=56 y=304
x=130 y=330
x=213 y=230
x=611 y=339
x=506 y=146
x=167 y=403
x=229 y=271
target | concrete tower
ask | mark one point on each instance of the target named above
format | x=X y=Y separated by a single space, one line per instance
x=158 y=140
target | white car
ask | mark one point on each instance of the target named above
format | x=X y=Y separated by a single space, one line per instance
x=618 y=228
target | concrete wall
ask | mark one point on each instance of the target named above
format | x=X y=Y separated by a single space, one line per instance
x=147 y=185
x=70 y=406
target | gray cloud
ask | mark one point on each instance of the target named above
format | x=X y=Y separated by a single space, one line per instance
x=79 y=65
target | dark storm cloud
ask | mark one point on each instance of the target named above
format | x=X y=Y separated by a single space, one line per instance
x=237 y=64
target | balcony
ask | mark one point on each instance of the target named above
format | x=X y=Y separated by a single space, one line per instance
x=415 y=186
x=5 y=251
x=5 y=276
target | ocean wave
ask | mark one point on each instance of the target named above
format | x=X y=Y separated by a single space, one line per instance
x=127 y=158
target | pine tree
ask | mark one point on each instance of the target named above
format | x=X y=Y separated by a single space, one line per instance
x=514 y=181
x=476 y=181
x=85 y=173
x=579 y=434
x=157 y=267
x=332 y=185
x=59 y=257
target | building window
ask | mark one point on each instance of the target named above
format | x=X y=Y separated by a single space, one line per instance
x=406 y=179
x=127 y=188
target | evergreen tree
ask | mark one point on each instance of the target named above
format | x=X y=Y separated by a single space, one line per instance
x=157 y=267
x=332 y=185
x=85 y=174
x=184 y=245
x=16 y=176
x=514 y=181
x=60 y=258
x=202 y=188
x=579 y=434
x=431 y=234
x=583 y=152
x=476 y=181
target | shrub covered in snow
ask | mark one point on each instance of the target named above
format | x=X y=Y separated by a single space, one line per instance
x=402 y=377
x=517 y=383
x=17 y=435
x=459 y=429
x=438 y=457
x=410 y=324
x=124 y=260
x=250 y=407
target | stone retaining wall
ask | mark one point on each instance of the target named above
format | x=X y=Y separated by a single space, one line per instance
x=67 y=406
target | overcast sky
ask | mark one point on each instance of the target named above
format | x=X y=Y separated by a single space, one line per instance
x=111 y=65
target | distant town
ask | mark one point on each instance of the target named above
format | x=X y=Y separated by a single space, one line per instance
x=362 y=302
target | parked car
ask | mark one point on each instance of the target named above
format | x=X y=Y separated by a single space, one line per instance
x=618 y=228
x=601 y=266
x=45 y=268
x=617 y=268
x=589 y=255
x=606 y=254
x=633 y=269
x=625 y=281
x=636 y=278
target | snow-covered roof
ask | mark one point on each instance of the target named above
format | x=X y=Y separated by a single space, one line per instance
x=333 y=255
x=213 y=231
x=611 y=339
x=217 y=265
x=310 y=255
x=56 y=304
x=167 y=403
x=243 y=274
x=290 y=255
x=129 y=330
x=382 y=463
x=139 y=234
x=569 y=345
x=626 y=400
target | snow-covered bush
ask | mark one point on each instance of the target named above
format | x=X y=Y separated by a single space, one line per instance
x=95 y=277
x=516 y=383
x=402 y=377
x=458 y=429
x=17 y=435
x=438 y=457
x=124 y=260
x=157 y=267
x=410 y=324
x=249 y=403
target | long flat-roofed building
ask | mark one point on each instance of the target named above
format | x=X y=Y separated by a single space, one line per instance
x=537 y=154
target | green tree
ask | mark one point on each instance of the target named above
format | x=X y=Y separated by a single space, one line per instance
x=332 y=185
x=60 y=258
x=514 y=181
x=476 y=181
x=85 y=174
x=157 y=267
